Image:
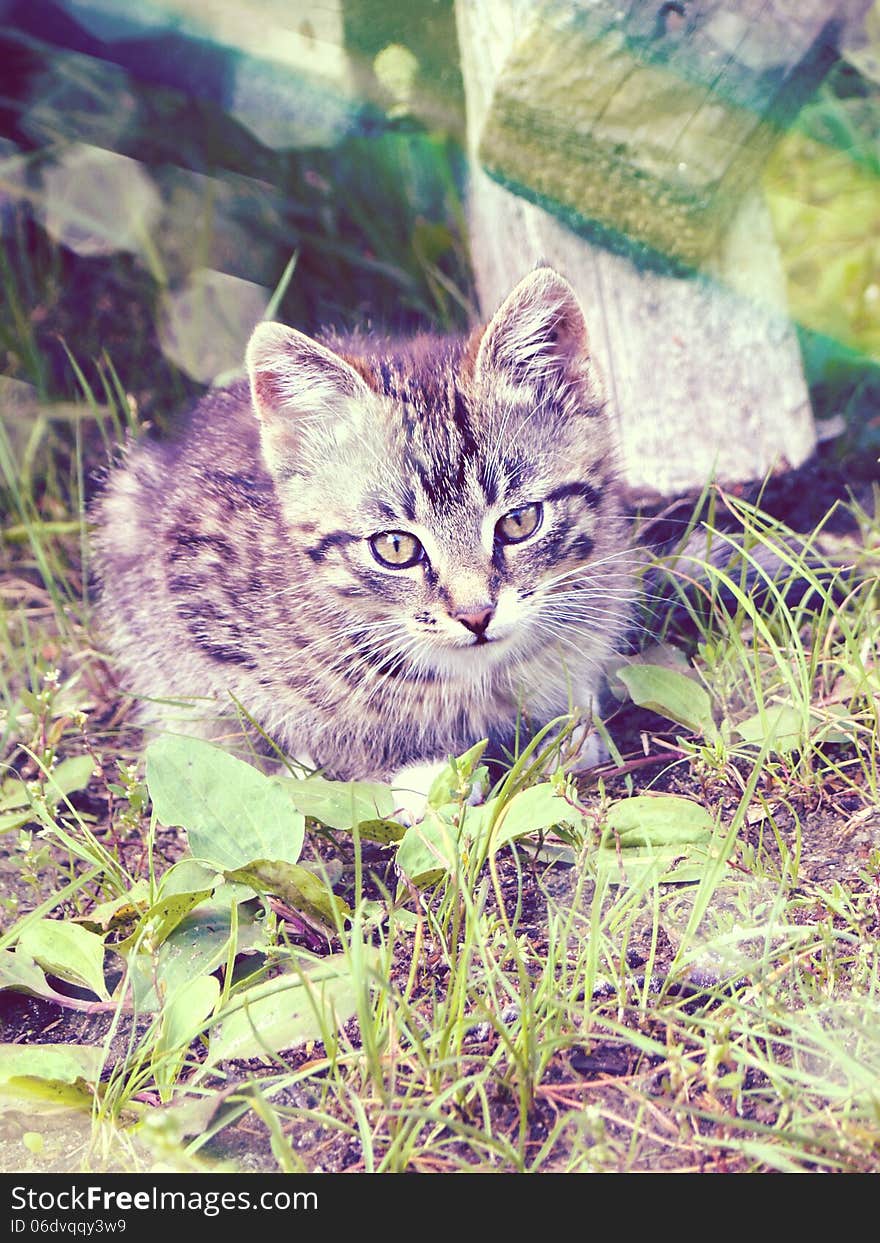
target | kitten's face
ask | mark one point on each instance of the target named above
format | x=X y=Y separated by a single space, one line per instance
x=456 y=501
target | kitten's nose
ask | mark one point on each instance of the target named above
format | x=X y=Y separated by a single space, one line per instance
x=476 y=619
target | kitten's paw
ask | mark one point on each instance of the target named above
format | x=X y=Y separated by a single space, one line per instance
x=410 y=788
x=479 y=790
x=304 y=762
x=592 y=752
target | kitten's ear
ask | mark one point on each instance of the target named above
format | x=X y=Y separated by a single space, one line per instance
x=538 y=334
x=299 y=389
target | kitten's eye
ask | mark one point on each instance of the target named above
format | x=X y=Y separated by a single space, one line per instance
x=519 y=524
x=396 y=549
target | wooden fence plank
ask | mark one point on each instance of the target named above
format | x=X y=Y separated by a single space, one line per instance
x=703 y=373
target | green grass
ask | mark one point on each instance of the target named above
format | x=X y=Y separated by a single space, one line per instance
x=564 y=1007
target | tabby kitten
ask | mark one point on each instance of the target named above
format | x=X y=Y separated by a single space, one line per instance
x=382 y=551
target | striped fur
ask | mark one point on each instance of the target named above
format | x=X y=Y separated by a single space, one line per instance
x=236 y=563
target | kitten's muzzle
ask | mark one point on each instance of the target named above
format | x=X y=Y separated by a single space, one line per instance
x=476 y=620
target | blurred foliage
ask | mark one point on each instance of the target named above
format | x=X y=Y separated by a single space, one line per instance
x=130 y=206
x=823 y=188
x=420 y=33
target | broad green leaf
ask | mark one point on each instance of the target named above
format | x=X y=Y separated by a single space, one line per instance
x=185 y=886
x=285 y=1011
x=192 y=1115
x=453 y=784
x=531 y=811
x=835 y=723
x=649 y=839
x=551 y=853
x=182 y=1018
x=661 y=820
x=382 y=832
x=231 y=811
x=340 y=804
x=39 y=1097
x=299 y=888
x=70 y=775
x=42 y=1079
x=171 y=911
x=670 y=694
x=46 y=1078
x=11 y=820
x=66 y=778
x=645 y=866
x=117 y=912
x=13 y=794
x=62 y=1063
x=67 y=950
x=400 y=917
x=184 y=1013
x=16 y=802
x=189 y=876
x=429 y=849
x=19 y=971
x=196 y=948
x=779 y=728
